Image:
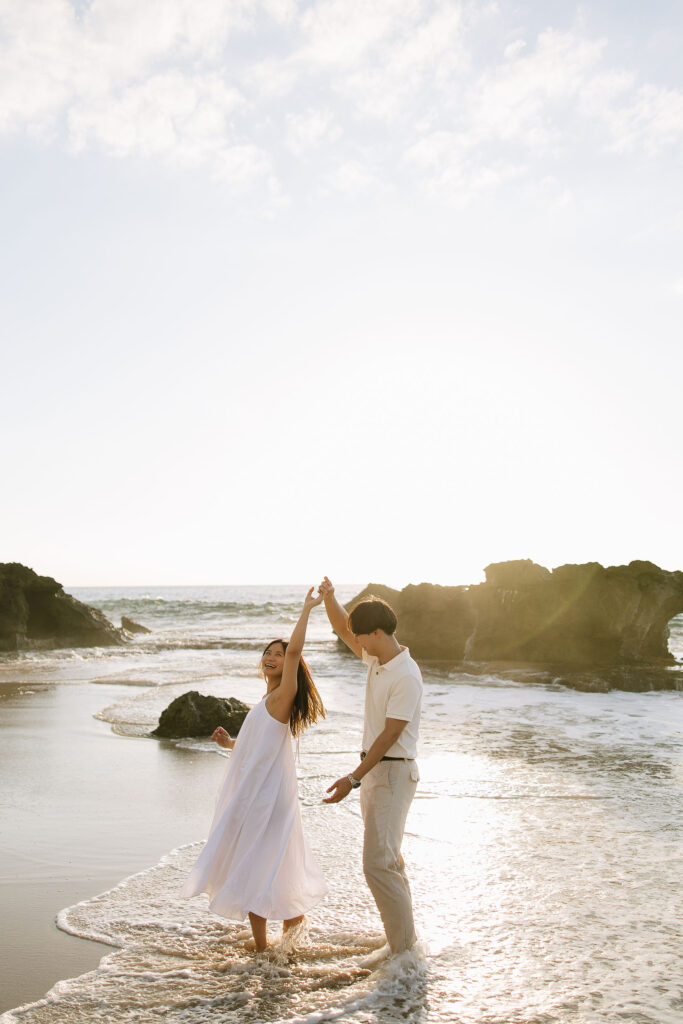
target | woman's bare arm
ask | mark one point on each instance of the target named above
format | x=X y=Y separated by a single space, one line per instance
x=280 y=701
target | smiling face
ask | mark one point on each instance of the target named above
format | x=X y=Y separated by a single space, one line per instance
x=273 y=660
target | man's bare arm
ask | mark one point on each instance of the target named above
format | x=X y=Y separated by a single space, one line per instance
x=393 y=727
x=338 y=617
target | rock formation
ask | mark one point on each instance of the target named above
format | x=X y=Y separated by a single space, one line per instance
x=133 y=627
x=193 y=714
x=573 y=615
x=35 y=612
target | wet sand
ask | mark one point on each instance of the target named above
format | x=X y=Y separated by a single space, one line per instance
x=80 y=809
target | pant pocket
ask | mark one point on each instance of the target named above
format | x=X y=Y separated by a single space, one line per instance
x=414 y=771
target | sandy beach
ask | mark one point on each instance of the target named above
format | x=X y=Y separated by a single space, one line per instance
x=76 y=829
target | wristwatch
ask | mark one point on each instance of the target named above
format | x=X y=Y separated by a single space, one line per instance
x=355 y=783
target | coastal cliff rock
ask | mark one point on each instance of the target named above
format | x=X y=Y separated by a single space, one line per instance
x=35 y=613
x=434 y=621
x=133 y=627
x=194 y=714
x=573 y=615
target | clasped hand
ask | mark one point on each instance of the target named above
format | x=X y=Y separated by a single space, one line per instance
x=313 y=602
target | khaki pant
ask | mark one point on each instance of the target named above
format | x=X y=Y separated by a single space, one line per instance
x=386 y=794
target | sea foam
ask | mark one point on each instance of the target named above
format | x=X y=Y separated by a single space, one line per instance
x=174 y=959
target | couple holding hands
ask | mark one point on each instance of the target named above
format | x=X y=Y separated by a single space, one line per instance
x=256 y=860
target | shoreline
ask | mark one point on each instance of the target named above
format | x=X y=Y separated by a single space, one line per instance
x=83 y=827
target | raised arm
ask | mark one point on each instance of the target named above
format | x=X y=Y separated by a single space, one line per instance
x=338 y=617
x=281 y=699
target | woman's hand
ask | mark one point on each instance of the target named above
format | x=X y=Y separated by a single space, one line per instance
x=310 y=601
x=222 y=738
x=326 y=587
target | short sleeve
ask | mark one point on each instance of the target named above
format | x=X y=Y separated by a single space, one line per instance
x=404 y=698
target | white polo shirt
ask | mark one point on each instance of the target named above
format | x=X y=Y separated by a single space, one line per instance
x=393 y=690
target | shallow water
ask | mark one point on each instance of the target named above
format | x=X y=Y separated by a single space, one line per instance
x=543 y=848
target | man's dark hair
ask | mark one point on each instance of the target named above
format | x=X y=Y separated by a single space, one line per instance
x=370 y=614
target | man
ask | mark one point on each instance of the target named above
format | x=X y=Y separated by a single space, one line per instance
x=387 y=773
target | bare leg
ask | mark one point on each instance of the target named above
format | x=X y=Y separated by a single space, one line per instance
x=258 y=930
x=291 y=922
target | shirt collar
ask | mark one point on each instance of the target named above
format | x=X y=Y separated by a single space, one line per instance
x=394 y=662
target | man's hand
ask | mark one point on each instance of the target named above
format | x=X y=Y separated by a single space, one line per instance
x=341 y=788
x=326 y=587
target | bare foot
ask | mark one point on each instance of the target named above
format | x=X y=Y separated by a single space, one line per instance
x=294 y=935
x=293 y=922
x=250 y=944
x=375 y=958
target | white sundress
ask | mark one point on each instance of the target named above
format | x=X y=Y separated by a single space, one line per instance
x=256 y=857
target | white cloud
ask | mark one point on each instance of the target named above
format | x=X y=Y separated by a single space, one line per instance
x=136 y=79
x=520 y=98
x=353 y=178
x=166 y=114
x=540 y=104
x=448 y=167
x=550 y=95
x=38 y=40
x=241 y=164
x=343 y=32
x=201 y=84
x=130 y=35
x=652 y=119
x=52 y=59
x=380 y=56
x=270 y=79
x=310 y=129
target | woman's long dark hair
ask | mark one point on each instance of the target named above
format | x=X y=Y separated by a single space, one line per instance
x=308 y=706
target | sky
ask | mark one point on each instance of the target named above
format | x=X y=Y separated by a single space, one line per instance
x=382 y=289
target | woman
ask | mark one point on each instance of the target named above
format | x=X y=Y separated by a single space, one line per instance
x=256 y=860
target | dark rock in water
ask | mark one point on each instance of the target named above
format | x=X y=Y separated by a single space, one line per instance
x=133 y=627
x=579 y=615
x=36 y=613
x=193 y=714
x=634 y=678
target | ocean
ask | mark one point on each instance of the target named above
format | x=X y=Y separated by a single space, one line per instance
x=543 y=846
